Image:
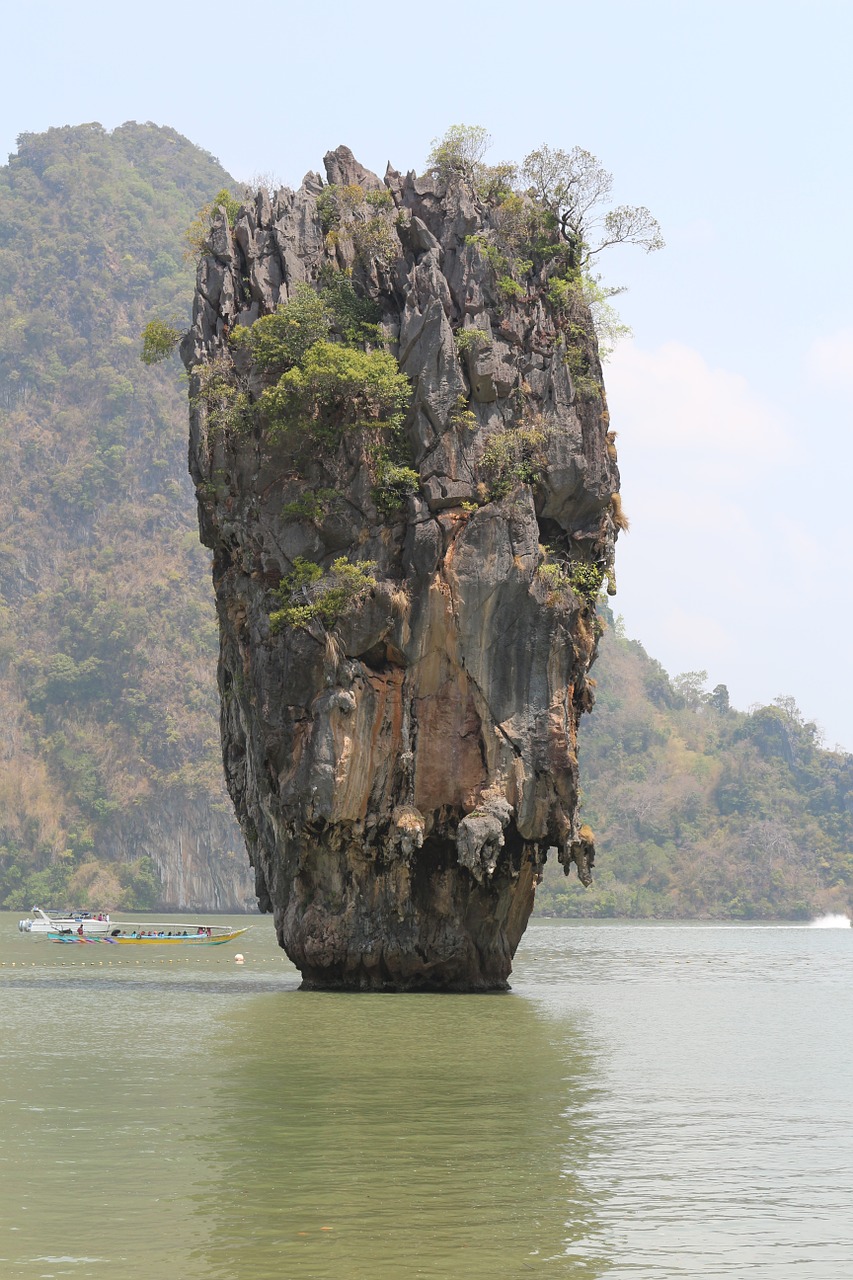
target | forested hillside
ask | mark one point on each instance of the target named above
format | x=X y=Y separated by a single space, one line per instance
x=110 y=780
x=110 y=776
x=700 y=810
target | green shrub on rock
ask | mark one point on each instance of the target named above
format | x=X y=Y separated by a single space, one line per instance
x=579 y=576
x=470 y=340
x=353 y=317
x=309 y=592
x=586 y=579
x=280 y=340
x=311 y=506
x=394 y=482
x=515 y=456
x=510 y=289
x=226 y=403
x=198 y=232
x=159 y=340
x=336 y=388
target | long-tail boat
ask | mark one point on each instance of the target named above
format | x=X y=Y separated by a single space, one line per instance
x=125 y=933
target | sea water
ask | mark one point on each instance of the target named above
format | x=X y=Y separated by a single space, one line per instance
x=651 y=1100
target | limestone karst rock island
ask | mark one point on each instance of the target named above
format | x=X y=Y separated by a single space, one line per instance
x=404 y=470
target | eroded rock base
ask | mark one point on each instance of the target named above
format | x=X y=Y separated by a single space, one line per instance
x=418 y=926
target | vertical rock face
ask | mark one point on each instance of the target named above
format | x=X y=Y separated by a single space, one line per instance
x=197 y=851
x=400 y=774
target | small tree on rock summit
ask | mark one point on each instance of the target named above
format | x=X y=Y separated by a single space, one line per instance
x=573 y=186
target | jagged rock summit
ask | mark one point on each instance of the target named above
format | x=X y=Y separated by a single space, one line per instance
x=405 y=580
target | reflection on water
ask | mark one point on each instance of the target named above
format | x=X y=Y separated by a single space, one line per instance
x=193 y=1117
x=661 y=1101
x=381 y=1136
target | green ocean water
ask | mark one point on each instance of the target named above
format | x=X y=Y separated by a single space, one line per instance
x=649 y=1101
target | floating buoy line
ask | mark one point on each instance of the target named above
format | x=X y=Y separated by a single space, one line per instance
x=119 y=964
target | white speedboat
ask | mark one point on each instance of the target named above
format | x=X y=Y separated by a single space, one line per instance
x=92 y=923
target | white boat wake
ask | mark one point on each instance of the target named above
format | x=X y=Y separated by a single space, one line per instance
x=831 y=922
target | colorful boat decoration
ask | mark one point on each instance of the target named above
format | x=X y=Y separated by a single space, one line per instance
x=129 y=933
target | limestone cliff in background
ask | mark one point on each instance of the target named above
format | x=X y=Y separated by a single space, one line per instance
x=399 y=776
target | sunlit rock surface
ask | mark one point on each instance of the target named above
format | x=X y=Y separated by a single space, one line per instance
x=400 y=778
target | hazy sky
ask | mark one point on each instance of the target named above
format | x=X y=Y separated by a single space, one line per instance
x=731 y=121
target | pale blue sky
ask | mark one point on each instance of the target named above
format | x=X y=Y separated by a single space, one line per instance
x=732 y=122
